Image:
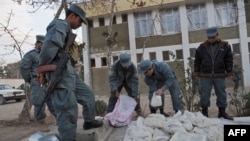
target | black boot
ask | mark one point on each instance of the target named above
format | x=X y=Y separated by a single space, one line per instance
x=92 y=124
x=153 y=111
x=163 y=113
x=222 y=113
x=205 y=111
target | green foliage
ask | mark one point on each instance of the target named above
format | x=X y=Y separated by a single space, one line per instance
x=240 y=103
x=101 y=107
x=189 y=86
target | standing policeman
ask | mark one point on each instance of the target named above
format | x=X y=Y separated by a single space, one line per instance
x=28 y=67
x=71 y=89
x=123 y=74
x=213 y=62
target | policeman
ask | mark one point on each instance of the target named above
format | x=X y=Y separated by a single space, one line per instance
x=71 y=89
x=159 y=77
x=28 y=67
x=123 y=74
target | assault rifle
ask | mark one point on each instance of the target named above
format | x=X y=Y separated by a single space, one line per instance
x=60 y=67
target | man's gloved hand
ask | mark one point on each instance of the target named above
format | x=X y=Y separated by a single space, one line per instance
x=117 y=94
x=41 y=78
x=137 y=99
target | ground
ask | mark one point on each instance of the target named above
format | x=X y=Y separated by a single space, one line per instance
x=12 y=130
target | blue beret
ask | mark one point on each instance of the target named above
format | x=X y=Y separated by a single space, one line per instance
x=212 y=31
x=79 y=11
x=40 y=38
x=125 y=59
x=145 y=66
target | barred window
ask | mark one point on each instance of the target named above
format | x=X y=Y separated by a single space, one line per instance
x=197 y=17
x=92 y=61
x=179 y=54
x=225 y=13
x=115 y=58
x=170 y=21
x=192 y=52
x=236 y=48
x=139 y=57
x=152 y=55
x=104 y=61
x=165 y=55
x=143 y=24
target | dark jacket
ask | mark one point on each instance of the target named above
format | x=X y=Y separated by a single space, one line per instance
x=116 y=77
x=219 y=66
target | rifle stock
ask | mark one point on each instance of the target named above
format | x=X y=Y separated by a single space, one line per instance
x=59 y=69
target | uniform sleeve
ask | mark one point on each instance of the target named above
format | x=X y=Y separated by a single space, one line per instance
x=134 y=82
x=55 y=39
x=113 y=74
x=167 y=74
x=151 y=84
x=25 y=67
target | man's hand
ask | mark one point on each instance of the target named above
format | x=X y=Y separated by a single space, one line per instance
x=160 y=91
x=196 y=77
x=117 y=94
x=137 y=99
x=230 y=77
x=41 y=78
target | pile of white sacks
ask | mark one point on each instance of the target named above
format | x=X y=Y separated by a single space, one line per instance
x=188 y=126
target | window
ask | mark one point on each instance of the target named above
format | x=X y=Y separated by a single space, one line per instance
x=248 y=47
x=101 y=22
x=170 y=21
x=104 y=61
x=192 y=52
x=90 y=23
x=143 y=24
x=92 y=61
x=152 y=55
x=236 y=48
x=179 y=54
x=197 y=17
x=225 y=13
x=249 y=50
x=139 y=57
x=165 y=55
x=114 y=19
x=115 y=58
x=124 y=18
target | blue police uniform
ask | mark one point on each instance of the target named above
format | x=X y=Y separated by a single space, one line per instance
x=28 y=67
x=71 y=89
x=123 y=74
x=163 y=76
x=213 y=62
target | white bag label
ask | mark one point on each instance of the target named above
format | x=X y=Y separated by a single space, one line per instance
x=156 y=100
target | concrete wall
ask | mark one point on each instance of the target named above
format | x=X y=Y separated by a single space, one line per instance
x=98 y=42
x=13 y=82
x=159 y=40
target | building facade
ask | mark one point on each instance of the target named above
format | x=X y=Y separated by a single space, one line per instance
x=157 y=30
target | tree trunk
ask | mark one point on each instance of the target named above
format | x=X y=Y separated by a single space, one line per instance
x=25 y=116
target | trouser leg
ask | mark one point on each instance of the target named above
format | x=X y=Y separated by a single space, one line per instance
x=86 y=98
x=129 y=91
x=175 y=93
x=206 y=87
x=65 y=105
x=220 y=91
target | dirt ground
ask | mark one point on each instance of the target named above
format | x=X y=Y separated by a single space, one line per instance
x=11 y=130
